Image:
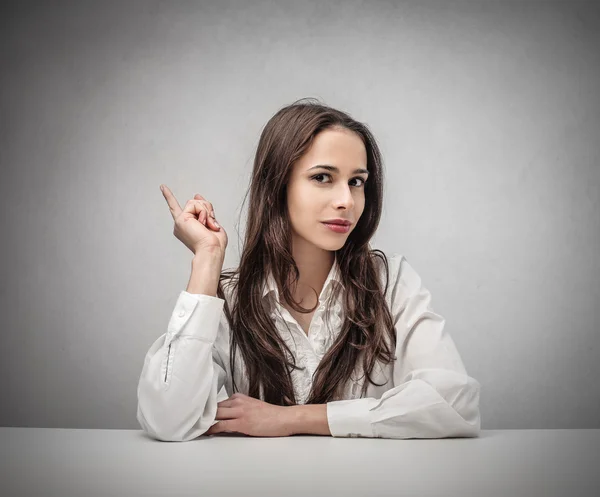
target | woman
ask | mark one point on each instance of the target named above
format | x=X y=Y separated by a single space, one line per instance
x=314 y=332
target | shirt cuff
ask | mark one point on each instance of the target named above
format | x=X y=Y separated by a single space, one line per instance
x=351 y=418
x=196 y=315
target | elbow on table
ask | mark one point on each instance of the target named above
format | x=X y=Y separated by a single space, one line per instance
x=457 y=415
x=466 y=405
x=169 y=432
x=471 y=429
x=461 y=424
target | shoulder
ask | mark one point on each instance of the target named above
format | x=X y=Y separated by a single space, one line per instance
x=403 y=279
x=400 y=271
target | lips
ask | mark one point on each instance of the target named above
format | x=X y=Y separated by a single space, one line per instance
x=338 y=228
x=338 y=223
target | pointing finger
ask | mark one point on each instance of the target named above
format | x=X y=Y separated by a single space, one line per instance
x=174 y=206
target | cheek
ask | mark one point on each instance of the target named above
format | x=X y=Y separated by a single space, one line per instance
x=305 y=213
x=300 y=207
x=359 y=205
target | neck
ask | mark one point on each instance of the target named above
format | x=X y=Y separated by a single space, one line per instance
x=314 y=265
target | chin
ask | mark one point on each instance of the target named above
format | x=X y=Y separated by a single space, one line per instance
x=325 y=241
x=331 y=246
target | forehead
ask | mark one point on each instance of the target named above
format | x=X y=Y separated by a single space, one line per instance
x=339 y=147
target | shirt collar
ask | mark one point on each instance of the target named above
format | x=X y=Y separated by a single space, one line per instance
x=333 y=276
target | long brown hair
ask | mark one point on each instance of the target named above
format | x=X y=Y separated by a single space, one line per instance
x=367 y=329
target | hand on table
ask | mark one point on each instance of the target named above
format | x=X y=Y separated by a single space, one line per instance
x=243 y=414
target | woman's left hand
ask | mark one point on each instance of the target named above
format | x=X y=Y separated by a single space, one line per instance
x=243 y=414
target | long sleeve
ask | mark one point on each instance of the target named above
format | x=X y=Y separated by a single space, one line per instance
x=183 y=372
x=432 y=396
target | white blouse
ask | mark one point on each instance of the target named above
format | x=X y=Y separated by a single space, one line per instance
x=426 y=392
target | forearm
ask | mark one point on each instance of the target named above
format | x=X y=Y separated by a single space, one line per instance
x=206 y=270
x=310 y=419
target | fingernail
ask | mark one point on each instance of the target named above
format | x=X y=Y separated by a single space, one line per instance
x=217 y=224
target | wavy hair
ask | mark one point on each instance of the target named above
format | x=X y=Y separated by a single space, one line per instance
x=367 y=329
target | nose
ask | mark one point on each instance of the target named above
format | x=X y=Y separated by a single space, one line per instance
x=345 y=198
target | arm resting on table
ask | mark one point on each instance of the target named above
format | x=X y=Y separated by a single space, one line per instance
x=182 y=373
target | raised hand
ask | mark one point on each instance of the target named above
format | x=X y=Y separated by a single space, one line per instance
x=195 y=224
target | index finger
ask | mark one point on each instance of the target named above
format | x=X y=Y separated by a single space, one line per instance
x=174 y=206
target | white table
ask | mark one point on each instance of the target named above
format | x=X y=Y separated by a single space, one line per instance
x=83 y=463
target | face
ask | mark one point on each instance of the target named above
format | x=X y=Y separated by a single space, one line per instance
x=318 y=194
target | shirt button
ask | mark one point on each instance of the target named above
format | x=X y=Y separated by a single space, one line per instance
x=181 y=313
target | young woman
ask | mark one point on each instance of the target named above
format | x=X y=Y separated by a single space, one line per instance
x=314 y=332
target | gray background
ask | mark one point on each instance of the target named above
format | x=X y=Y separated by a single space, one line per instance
x=488 y=117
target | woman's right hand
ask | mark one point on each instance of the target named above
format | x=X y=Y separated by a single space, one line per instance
x=195 y=224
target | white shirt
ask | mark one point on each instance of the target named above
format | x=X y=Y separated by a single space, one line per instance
x=426 y=392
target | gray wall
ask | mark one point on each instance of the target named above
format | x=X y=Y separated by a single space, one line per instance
x=488 y=116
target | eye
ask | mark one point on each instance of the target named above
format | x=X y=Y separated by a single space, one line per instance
x=362 y=181
x=362 y=184
x=320 y=176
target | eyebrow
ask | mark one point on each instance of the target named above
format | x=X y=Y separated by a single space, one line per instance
x=329 y=167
